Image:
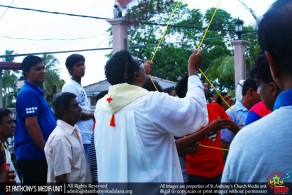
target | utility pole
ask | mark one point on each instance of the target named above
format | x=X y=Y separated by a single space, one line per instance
x=120 y=34
x=239 y=53
x=239 y=60
x=119 y=30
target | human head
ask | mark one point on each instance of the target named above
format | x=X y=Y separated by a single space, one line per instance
x=267 y=88
x=170 y=90
x=206 y=89
x=249 y=83
x=249 y=93
x=274 y=32
x=33 y=69
x=7 y=124
x=123 y=68
x=150 y=87
x=181 y=87
x=75 y=65
x=227 y=98
x=207 y=92
x=66 y=108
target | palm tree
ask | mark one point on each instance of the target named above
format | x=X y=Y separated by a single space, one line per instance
x=222 y=69
x=9 y=80
x=52 y=75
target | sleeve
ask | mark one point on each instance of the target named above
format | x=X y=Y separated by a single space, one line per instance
x=179 y=116
x=61 y=157
x=8 y=159
x=220 y=110
x=251 y=117
x=226 y=134
x=29 y=104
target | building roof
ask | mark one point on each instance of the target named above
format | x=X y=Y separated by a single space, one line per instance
x=96 y=88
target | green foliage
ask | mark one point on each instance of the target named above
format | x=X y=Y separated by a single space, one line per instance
x=174 y=62
x=52 y=76
x=9 y=80
x=224 y=66
x=253 y=47
x=171 y=58
x=183 y=35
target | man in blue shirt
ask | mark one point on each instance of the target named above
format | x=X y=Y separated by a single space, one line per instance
x=35 y=122
x=261 y=151
x=238 y=112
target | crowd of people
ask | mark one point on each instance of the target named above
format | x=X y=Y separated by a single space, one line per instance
x=138 y=133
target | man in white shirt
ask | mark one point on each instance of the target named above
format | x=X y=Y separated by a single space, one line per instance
x=135 y=130
x=64 y=149
x=75 y=64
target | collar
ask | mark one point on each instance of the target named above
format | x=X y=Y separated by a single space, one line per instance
x=239 y=106
x=65 y=126
x=38 y=89
x=73 y=81
x=121 y=95
x=283 y=99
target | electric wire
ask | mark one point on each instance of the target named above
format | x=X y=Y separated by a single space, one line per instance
x=52 y=12
x=6 y=10
x=52 y=39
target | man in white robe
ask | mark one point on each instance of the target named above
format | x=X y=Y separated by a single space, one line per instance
x=135 y=129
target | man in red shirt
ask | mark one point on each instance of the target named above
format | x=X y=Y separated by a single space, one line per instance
x=206 y=165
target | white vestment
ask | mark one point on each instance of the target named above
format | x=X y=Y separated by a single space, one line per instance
x=141 y=147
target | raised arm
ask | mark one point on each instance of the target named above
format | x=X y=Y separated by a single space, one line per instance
x=190 y=140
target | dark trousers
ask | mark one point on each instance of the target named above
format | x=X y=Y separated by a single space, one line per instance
x=33 y=171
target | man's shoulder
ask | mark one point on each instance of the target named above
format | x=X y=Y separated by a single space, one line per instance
x=215 y=106
x=27 y=90
x=72 y=86
x=68 y=84
x=257 y=128
x=57 y=135
x=231 y=110
x=237 y=108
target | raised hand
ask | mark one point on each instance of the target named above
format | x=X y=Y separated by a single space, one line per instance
x=148 y=66
x=195 y=62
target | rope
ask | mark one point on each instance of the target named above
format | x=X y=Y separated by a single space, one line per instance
x=201 y=42
x=203 y=72
x=150 y=77
x=213 y=147
x=162 y=37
